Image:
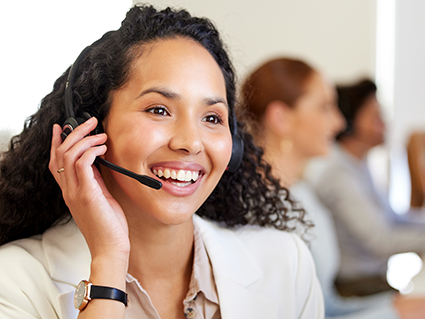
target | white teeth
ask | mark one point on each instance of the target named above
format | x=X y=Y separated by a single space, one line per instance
x=195 y=176
x=181 y=175
x=167 y=173
x=181 y=184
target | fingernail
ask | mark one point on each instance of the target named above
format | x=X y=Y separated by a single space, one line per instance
x=90 y=120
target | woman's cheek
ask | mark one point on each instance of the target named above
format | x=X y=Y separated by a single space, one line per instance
x=221 y=148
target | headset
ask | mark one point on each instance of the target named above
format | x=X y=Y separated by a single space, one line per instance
x=72 y=122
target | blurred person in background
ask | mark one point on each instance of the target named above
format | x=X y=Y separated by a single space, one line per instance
x=368 y=230
x=293 y=115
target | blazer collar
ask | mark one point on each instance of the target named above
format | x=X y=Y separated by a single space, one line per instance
x=68 y=259
x=67 y=254
x=234 y=271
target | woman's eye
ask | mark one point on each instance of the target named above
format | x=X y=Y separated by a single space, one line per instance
x=158 y=110
x=214 y=119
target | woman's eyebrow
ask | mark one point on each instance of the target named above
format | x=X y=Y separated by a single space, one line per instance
x=212 y=101
x=164 y=92
x=175 y=96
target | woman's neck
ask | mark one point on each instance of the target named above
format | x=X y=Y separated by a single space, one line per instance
x=286 y=166
x=160 y=250
x=161 y=259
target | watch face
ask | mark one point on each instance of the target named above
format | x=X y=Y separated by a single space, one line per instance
x=79 y=294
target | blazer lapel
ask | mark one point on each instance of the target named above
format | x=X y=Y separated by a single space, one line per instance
x=234 y=271
x=68 y=259
x=238 y=302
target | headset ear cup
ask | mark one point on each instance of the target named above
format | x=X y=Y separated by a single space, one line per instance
x=237 y=154
x=67 y=127
x=86 y=116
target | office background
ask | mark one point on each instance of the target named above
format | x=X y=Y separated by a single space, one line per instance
x=345 y=39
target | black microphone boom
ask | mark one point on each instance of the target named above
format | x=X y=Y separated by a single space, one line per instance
x=145 y=180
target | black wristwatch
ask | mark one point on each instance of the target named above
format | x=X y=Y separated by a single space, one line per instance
x=86 y=291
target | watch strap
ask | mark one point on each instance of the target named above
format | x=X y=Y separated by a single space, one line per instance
x=102 y=292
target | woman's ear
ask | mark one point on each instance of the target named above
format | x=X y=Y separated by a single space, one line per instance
x=279 y=118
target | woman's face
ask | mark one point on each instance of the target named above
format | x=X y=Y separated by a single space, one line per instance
x=316 y=118
x=369 y=127
x=170 y=122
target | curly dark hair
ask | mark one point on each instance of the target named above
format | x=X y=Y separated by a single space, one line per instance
x=30 y=199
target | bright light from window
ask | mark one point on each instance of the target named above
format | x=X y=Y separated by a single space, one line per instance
x=40 y=40
x=385 y=52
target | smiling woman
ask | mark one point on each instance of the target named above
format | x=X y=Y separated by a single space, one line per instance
x=157 y=98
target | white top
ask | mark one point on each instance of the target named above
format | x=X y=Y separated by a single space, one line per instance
x=368 y=230
x=259 y=273
x=325 y=251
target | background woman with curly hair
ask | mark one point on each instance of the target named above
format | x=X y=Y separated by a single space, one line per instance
x=156 y=97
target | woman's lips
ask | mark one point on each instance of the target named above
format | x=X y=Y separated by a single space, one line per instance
x=179 y=179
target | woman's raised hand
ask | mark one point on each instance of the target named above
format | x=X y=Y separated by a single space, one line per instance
x=97 y=214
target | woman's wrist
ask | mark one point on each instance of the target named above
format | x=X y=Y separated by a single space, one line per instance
x=109 y=271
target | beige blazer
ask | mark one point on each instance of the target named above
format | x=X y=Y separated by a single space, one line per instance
x=259 y=273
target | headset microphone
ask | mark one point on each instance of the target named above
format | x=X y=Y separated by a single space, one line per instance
x=72 y=122
x=144 y=179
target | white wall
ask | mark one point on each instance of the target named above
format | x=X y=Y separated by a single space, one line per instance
x=39 y=40
x=336 y=36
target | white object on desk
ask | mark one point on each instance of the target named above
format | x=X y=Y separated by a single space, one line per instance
x=419 y=283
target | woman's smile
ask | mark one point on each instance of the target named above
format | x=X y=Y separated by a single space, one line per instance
x=179 y=179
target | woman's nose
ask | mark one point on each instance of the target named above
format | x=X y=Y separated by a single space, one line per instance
x=186 y=137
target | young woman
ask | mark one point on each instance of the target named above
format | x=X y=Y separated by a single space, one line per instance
x=295 y=118
x=157 y=98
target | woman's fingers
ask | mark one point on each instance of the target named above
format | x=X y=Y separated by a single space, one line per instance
x=56 y=142
x=85 y=171
x=76 y=165
x=81 y=131
x=67 y=163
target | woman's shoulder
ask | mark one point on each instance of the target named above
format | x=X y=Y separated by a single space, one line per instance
x=273 y=264
x=57 y=253
x=24 y=278
x=263 y=243
x=35 y=271
x=21 y=254
x=37 y=248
